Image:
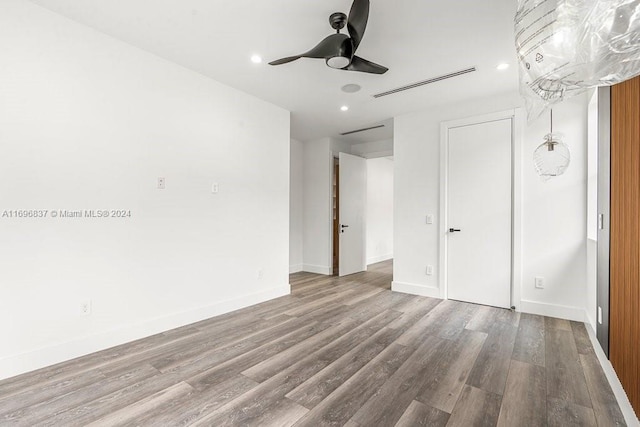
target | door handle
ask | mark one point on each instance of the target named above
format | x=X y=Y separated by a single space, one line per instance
x=342 y=227
x=453 y=230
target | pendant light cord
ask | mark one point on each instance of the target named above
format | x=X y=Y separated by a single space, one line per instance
x=551 y=113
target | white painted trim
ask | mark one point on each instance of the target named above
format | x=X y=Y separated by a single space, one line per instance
x=26 y=362
x=329 y=270
x=379 y=258
x=516 y=232
x=318 y=269
x=621 y=396
x=553 y=310
x=410 y=288
x=442 y=247
x=517 y=128
x=296 y=268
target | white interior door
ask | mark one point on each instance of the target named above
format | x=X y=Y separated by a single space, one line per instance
x=353 y=199
x=479 y=206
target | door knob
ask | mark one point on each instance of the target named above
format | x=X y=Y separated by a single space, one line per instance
x=453 y=230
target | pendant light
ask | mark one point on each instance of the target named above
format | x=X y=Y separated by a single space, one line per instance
x=552 y=157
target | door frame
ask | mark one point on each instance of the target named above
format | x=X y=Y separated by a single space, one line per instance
x=517 y=130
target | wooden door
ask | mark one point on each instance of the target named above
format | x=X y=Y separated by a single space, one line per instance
x=624 y=338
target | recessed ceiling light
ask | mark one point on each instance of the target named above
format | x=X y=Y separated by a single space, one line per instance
x=502 y=66
x=256 y=59
x=344 y=108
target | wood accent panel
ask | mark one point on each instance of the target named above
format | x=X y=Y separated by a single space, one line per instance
x=625 y=237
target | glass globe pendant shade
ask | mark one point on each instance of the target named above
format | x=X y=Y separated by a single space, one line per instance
x=552 y=157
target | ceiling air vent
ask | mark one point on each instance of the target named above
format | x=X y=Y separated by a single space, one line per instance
x=362 y=130
x=425 y=82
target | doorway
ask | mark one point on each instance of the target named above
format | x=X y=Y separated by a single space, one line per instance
x=478 y=211
x=336 y=215
x=362 y=221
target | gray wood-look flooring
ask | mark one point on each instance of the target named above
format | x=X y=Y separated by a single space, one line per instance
x=337 y=351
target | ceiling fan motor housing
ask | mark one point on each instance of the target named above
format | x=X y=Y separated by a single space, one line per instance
x=338 y=20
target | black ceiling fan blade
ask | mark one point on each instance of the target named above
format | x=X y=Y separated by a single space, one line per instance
x=364 y=66
x=327 y=48
x=285 y=60
x=357 y=21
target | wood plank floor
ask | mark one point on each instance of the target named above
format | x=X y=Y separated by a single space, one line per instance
x=337 y=351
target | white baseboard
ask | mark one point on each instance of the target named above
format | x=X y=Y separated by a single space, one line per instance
x=553 y=310
x=379 y=258
x=623 y=401
x=318 y=269
x=40 y=358
x=296 y=268
x=589 y=320
x=410 y=288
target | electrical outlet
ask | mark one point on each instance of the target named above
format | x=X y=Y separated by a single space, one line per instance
x=539 y=282
x=160 y=183
x=259 y=274
x=430 y=219
x=429 y=270
x=215 y=188
x=85 y=307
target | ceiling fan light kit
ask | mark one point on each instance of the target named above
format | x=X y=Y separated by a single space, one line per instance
x=338 y=62
x=338 y=50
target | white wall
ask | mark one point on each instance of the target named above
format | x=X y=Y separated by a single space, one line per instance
x=554 y=219
x=379 y=210
x=337 y=146
x=317 y=218
x=296 y=206
x=592 y=211
x=370 y=150
x=553 y=212
x=87 y=122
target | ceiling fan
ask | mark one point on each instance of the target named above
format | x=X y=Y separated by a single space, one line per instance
x=338 y=50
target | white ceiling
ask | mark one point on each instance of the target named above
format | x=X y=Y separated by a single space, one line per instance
x=415 y=39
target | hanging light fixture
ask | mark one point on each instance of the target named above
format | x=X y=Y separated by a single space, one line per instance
x=552 y=157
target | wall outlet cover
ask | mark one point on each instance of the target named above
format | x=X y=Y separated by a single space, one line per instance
x=85 y=307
